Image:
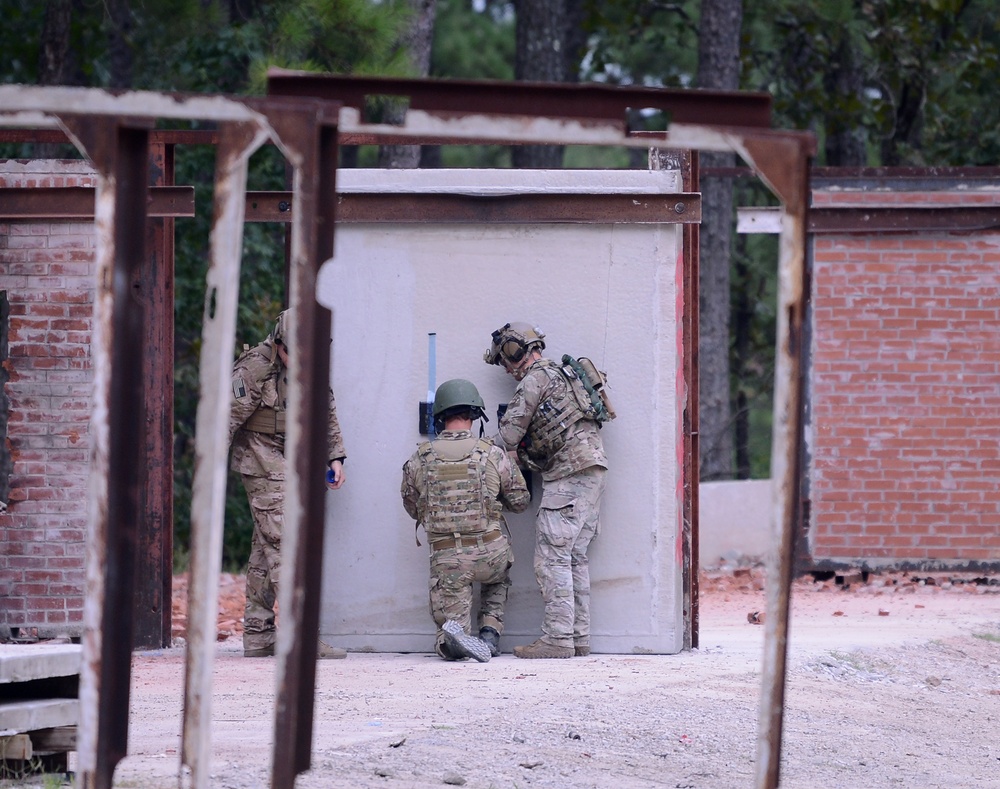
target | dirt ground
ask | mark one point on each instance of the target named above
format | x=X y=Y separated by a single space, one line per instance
x=891 y=683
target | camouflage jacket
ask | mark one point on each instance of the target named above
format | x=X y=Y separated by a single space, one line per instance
x=581 y=444
x=502 y=484
x=258 y=383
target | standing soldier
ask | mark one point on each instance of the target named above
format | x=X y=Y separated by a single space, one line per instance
x=456 y=487
x=553 y=422
x=257 y=435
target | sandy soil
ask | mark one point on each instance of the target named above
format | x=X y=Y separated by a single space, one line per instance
x=891 y=683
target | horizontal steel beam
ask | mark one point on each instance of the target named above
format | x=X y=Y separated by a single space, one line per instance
x=591 y=101
x=564 y=208
x=885 y=219
x=77 y=202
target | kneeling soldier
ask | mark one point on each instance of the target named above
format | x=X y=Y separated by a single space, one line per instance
x=456 y=487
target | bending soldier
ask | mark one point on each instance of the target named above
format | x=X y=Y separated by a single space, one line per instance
x=552 y=425
x=456 y=487
x=257 y=435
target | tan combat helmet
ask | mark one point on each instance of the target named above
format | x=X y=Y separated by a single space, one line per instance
x=512 y=341
x=282 y=331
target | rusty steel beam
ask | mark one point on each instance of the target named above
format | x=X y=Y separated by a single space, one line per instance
x=154 y=564
x=77 y=202
x=120 y=154
x=156 y=136
x=903 y=219
x=237 y=141
x=310 y=140
x=584 y=101
x=379 y=208
x=841 y=220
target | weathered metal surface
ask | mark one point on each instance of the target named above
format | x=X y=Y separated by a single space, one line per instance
x=837 y=220
x=236 y=143
x=783 y=163
x=588 y=101
x=310 y=143
x=497 y=209
x=154 y=288
x=77 y=202
x=120 y=154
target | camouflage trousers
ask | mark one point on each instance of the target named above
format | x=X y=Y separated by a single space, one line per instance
x=267 y=502
x=453 y=573
x=568 y=520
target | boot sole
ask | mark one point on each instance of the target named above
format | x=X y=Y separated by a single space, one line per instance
x=466 y=645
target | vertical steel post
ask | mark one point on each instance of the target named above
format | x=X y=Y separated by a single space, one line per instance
x=236 y=142
x=120 y=153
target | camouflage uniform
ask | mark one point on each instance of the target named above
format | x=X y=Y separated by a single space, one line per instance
x=257 y=435
x=459 y=504
x=574 y=466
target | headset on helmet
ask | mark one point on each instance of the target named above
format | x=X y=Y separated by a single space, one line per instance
x=512 y=341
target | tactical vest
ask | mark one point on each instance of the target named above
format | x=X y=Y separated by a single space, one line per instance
x=555 y=415
x=270 y=416
x=457 y=500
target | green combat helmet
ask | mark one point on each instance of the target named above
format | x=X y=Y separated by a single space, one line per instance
x=512 y=341
x=457 y=394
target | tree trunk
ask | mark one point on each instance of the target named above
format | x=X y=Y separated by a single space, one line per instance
x=54 y=58
x=718 y=67
x=119 y=43
x=845 y=142
x=417 y=41
x=549 y=41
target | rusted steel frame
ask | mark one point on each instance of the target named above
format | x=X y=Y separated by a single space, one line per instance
x=782 y=159
x=155 y=289
x=237 y=141
x=497 y=209
x=309 y=141
x=841 y=220
x=903 y=219
x=120 y=153
x=77 y=202
x=546 y=100
x=692 y=431
x=156 y=136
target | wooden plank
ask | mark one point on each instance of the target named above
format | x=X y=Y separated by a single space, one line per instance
x=59 y=739
x=17 y=746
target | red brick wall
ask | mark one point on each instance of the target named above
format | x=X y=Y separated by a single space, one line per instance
x=905 y=394
x=47 y=271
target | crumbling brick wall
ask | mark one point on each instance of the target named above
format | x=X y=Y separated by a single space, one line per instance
x=904 y=392
x=47 y=277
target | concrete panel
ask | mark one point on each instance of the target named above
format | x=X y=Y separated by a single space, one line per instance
x=609 y=292
x=734 y=521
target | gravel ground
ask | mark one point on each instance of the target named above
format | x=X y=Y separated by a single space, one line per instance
x=891 y=683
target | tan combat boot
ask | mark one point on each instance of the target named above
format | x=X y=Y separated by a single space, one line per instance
x=539 y=649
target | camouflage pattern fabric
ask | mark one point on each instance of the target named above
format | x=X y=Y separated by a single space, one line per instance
x=581 y=446
x=261 y=381
x=454 y=570
x=568 y=521
x=574 y=477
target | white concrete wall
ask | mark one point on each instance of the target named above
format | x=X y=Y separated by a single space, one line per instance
x=609 y=292
x=734 y=522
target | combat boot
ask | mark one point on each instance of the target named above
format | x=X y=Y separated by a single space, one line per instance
x=492 y=639
x=326 y=652
x=539 y=649
x=465 y=645
x=267 y=651
x=581 y=650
